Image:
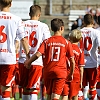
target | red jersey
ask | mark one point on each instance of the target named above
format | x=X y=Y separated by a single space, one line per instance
x=79 y=61
x=54 y=50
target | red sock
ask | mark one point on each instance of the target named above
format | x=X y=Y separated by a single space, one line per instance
x=92 y=94
x=5 y=94
x=55 y=99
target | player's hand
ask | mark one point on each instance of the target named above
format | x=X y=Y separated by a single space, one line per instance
x=69 y=77
x=27 y=65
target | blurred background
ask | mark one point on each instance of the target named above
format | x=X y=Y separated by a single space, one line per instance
x=68 y=10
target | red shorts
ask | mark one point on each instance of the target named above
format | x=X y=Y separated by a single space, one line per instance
x=71 y=89
x=65 y=91
x=54 y=85
x=90 y=75
x=98 y=76
x=7 y=74
x=30 y=78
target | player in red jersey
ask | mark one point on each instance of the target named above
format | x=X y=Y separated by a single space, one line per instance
x=73 y=86
x=11 y=26
x=54 y=51
x=91 y=45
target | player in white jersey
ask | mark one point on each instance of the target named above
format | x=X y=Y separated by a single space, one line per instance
x=11 y=27
x=91 y=45
x=98 y=78
x=36 y=33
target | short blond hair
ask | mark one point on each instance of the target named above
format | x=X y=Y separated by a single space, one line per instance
x=75 y=35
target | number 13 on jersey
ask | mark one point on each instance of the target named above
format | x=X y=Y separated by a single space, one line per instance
x=55 y=53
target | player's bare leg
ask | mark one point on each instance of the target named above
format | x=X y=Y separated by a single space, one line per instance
x=75 y=98
x=55 y=96
x=65 y=98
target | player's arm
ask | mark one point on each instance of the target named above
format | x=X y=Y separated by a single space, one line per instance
x=17 y=46
x=24 y=43
x=40 y=51
x=81 y=75
x=72 y=66
x=28 y=62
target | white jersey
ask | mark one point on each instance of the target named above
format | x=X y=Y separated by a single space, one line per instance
x=36 y=32
x=11 y=27
x=91 y=41
x=98 y=54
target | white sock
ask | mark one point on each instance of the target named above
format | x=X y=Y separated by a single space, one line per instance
x=5 y=98
x=34 y=97
x=80 y=93
x=85 y=91
x=25 y=97
x=98 y=92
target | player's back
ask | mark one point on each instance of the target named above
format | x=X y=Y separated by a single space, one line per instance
x=56 y=49
x=91 y=39
x=9 y=24
x=36 y=32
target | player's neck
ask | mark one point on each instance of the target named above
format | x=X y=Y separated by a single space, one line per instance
x=6 y=9
x=57 y=33
x=34 y=18
x=91 y=25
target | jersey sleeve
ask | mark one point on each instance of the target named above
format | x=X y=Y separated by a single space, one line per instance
x=46 y=32
x=20 y=31
x=69 y=50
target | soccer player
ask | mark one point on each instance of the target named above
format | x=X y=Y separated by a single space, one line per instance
x=98 y=78
x=11 y=26
x=75 y=84
x=36 y=33
x=91 y=46
x=54 y=51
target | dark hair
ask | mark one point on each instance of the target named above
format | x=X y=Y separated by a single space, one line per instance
x=5 y=3
x=56 y=24
x=34 y=10
x=99 y=19
x=88 y=19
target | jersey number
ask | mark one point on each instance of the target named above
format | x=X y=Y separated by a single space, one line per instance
x=87 y=43
x=32 y=40
x=55 y=53
x=3 y=36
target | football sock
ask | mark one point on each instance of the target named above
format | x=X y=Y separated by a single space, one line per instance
x=25 y=96
x=6 y=95
x=80 y=95
x=93 y=95
x=33 y=97
x=85 y=92
x=5 y=98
